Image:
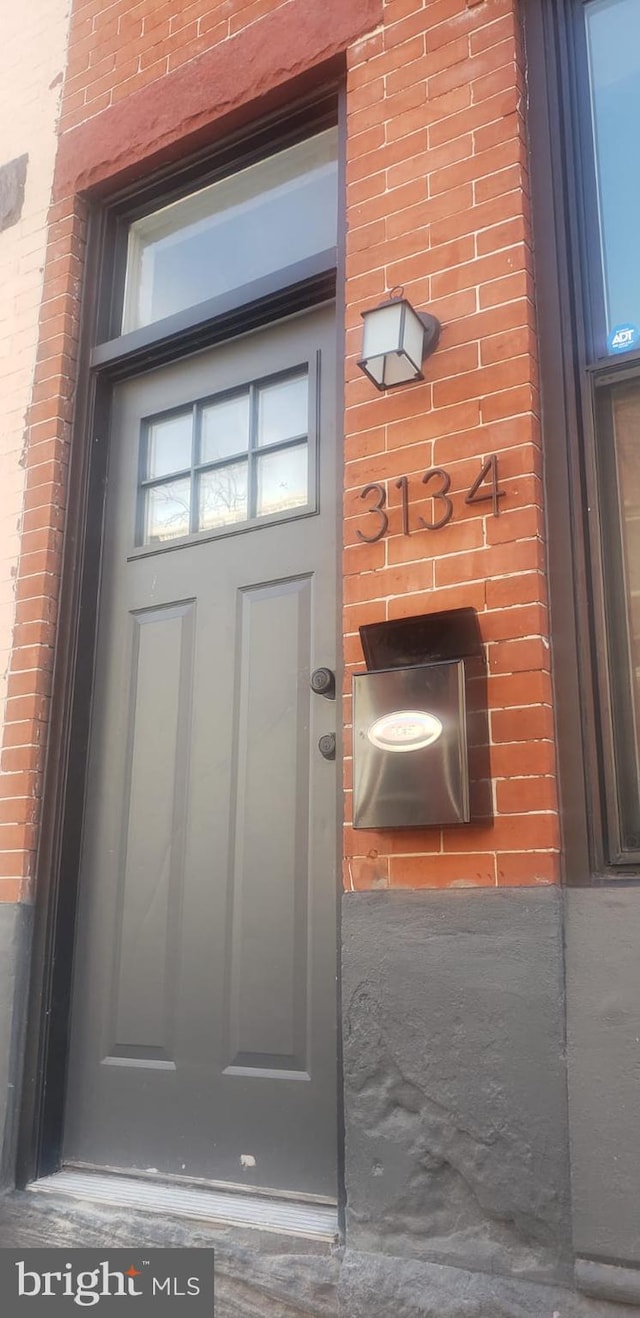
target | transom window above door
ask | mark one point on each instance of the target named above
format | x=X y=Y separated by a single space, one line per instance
x=227 y=461
x=270 y=215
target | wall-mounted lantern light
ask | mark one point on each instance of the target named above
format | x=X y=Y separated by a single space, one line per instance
x=396 y=341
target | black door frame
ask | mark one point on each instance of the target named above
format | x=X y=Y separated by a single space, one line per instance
x=104 y=359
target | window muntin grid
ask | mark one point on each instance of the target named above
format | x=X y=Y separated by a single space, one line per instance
x=232 y=460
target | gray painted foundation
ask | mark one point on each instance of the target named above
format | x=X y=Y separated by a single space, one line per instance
x=15 y=941
x=603 y=1028
x=457 y=1128
x=261 y=1275
x=455 y=1084
x=381 y=1287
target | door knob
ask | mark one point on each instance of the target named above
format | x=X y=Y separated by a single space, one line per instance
x=323 y=683
x=327 y=745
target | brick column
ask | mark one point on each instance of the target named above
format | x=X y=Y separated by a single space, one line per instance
x=34 y=50
x=438 y=202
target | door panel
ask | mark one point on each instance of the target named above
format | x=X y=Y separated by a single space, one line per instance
x=153 y=824
x=204 y=1016
x=268 y=998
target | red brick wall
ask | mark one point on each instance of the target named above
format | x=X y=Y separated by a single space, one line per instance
x=438 y=202
x=38 y=578
x=116 y=49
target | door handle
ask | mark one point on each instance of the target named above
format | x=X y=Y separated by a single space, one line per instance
x=323 y=683
x=327 y=745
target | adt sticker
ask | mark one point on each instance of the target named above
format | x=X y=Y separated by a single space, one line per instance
x=623 y=338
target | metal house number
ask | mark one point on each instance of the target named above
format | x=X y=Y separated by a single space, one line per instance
x=485 y=489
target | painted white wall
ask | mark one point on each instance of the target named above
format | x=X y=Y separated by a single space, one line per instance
x=34 y=42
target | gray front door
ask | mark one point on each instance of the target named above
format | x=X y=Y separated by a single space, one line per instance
x=204 y=1013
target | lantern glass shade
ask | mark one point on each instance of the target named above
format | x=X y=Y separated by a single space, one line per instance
x=393 y=343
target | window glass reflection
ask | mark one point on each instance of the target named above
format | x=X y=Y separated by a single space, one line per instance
x=613 y=37
x=169 y=445
x=168 y=508
x=625 y=404
x=252 y=462
x=282 y=480
x=247 y=225
x=283 y=410
x=225 y=428
x=619 y=476
x=223 y=496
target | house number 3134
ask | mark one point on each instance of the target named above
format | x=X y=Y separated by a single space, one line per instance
x=485 y=489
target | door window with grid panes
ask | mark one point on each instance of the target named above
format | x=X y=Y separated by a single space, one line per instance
x=228 y=461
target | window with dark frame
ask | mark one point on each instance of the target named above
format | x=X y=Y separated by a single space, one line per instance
x=253 y=239
x=606 y=52
x=231 y=241
x=261 y=234
x=226 y=462
x=251 y=223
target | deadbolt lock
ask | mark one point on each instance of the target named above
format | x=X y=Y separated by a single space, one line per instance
x=327 y=745
x=323 y=683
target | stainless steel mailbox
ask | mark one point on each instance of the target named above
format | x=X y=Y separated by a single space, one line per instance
x=410 y=746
